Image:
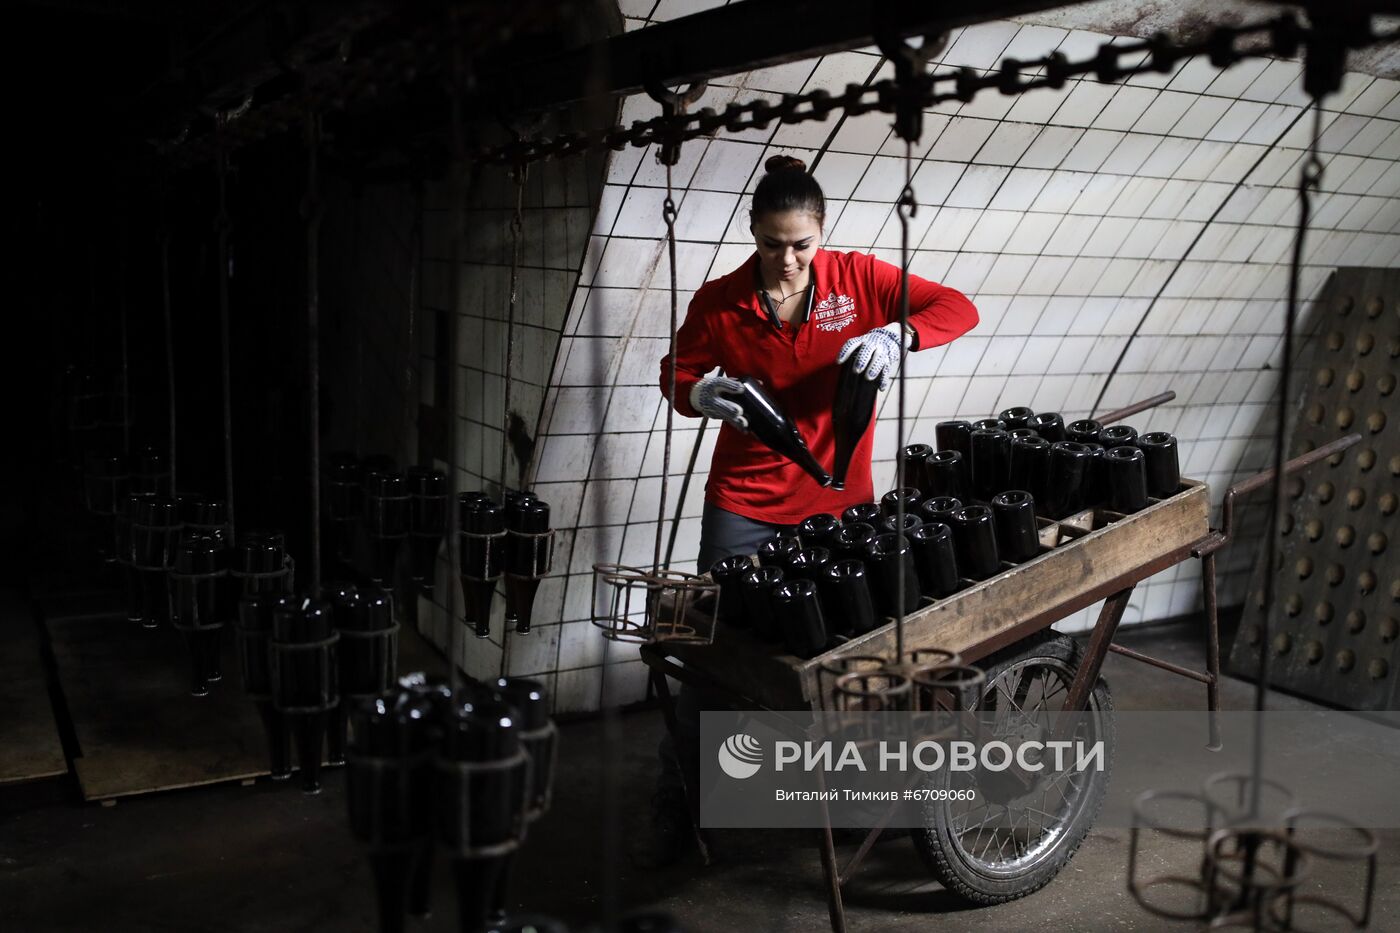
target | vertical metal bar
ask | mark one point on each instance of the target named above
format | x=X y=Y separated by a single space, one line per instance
x=668 y=213
x=906 y=203
x=684 y=491
x=312 y=213
x=357 y=405
x=457 y=191
x=1309 y=178
x=1212 y=651
x=831 y=872
x=125 y=355
x=520 y=172
x=223 y=226
x=169 y=344
x=410 y=371
x=691 y=794
x=1077 y=699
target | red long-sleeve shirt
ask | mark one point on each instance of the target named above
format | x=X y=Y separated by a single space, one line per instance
x=725 y=327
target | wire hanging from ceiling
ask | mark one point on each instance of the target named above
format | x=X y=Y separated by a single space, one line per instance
x=223 y=228
x=311 y=212
x=519 y=174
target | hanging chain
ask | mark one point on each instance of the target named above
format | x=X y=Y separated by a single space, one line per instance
x=668 y=214
x=912 y=83
x=906 y=207
x=673 y=104
x=1275 y=37
x=1309 y=182
x=311 y=210
x=414 y=56
x=519 y=173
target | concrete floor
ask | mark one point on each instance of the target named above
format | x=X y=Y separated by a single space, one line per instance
x=265 y=858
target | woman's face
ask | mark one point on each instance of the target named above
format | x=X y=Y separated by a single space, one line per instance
x=786 y=243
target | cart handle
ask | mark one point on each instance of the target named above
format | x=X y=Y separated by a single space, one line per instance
x=1118 y=414
x=1266 y=478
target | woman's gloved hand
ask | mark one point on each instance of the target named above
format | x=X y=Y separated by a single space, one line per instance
x=707 y=397
x=876 y=352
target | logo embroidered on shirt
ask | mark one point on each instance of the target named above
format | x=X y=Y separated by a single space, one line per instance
x=834 y=312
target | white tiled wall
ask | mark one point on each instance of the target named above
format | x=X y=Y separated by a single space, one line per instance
x=560 y=202
x=1161 y=206
x=1154 y=215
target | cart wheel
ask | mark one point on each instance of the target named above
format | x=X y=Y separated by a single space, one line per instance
x=1011 y=841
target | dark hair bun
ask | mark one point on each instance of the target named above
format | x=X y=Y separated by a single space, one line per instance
x=783 y=163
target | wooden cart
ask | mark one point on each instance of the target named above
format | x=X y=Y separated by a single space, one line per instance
x=1093 y=556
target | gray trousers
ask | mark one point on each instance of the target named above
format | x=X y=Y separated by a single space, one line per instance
x=722 y=534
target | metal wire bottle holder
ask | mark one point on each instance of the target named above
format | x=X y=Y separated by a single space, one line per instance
x=1365 y=849
x=1230 y=791
x=1250 y=868
x=541 y=559
x=491 y=552
x=644 y=607
x=267 y=581
x=375 y=507
x=884 y=689
x=1224 y=801
x=1246 y=870
x=953 y=687
x=403 y=774
x=1145 y=818
x=104 y=493
x=253 y=643
x=323 y=652
x=828 y=672
x=542 y=745
x=218 y=531
x=459 y=780
x=182 y=621
x=389 y=635
x=162 y=538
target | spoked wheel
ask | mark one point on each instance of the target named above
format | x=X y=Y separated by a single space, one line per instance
x=1016 y=835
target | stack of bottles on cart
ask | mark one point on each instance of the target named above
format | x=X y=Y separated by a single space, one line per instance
x=971 y=508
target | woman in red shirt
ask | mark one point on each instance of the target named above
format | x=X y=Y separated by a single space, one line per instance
x=788 y=317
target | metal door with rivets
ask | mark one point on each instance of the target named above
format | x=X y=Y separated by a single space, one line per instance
x=1335 y=625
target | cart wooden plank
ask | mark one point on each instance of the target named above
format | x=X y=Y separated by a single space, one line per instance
x=1082 y=567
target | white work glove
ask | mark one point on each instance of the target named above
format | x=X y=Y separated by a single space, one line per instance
x=707 y=397
x=876 y=352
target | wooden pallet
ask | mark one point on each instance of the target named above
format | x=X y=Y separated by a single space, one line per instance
x=139 y=730
x=1084 y=559
x=30 y=747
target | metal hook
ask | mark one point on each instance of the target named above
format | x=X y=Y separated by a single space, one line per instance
x=673 y=104
x=911 y=79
